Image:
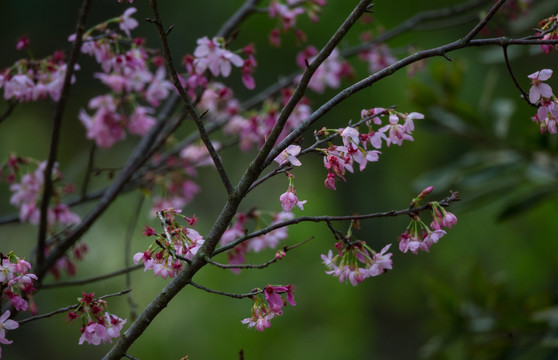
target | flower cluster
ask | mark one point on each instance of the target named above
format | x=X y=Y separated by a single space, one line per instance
x=287 y=11
x=254 y=127
x=129 y=76
x=341 y=158
x=6 y=324
x=356 y=261
x=16 y=281
x=27 y=191
x=263 y=311
x=541 y=95
x=176 y=242
x=549 y=27
x=329 y=73
x=97 y=327
x=269 y=240
x=378 y=57
x=418 y=236
x=31 y=79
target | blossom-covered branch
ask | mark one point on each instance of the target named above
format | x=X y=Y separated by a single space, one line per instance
x=71 y=307
x=409 y=211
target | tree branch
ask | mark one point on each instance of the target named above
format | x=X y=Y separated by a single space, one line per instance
x=91 y=279
x=232 y=295
x=328 y=219
x=187 y=102
x=67 y=308
x=285 y=249
x=241 y=14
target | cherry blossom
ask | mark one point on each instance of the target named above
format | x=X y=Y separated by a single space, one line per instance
x=289 y=155
x=356 y=261
x=289 y=200
x=378 y=57
x=329 y=73
x=262 y=312
x=538 y=87
x=211 y=55
x=6 y=324
x=126 y=22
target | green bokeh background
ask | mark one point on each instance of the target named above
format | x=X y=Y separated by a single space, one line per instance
x=472 y=296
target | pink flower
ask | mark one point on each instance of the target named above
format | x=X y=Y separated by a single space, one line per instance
x=158 y=88
x=328 y=74
x=113 y=325
x=140 y=122
x=431 y=238
x=289 y=200
x=378 y=57
x=93 y=334
x=6 y=324
x=126 y=22
x=355 y=264
x=397 y=133
x=286 y=14
x=210 y=54
x=538 y=88
x=289 y=155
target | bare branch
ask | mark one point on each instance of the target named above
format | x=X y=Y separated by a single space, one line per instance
x=285 y=249
x=232 y=295
x=91 y=279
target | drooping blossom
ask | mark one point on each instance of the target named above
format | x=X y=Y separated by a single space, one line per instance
x=289 y=200
x=263 y=311
x=99 y=325
x=356 y=262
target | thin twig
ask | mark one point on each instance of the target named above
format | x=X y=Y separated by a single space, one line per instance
x=11 y=106
x=187 y=102
x=445 y=202
x=255 y=266
x=484 y=21
x=238 y=17
x=128 y=254
x=232 y=295
x=67 y=308
x=524 y=95
x=88 y=170
x=91 y=279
